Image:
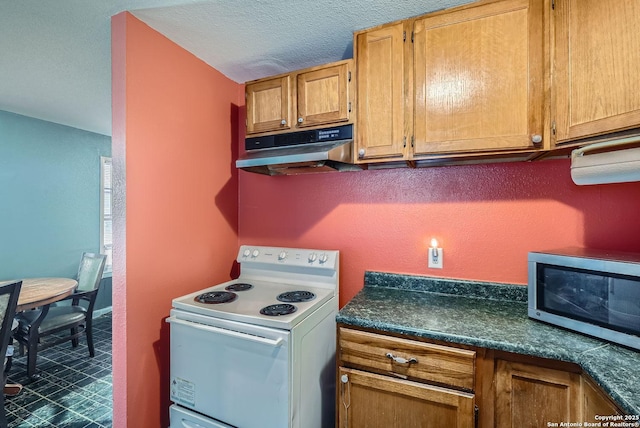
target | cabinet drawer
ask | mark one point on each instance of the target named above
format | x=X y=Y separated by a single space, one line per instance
x=433 y=363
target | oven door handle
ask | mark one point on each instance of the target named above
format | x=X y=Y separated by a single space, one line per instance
x=245 y=336
x=190 y=424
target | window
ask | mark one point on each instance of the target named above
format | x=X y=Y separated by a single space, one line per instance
x=106 y=237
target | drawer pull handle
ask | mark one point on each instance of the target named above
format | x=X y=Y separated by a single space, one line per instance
x=401 y=360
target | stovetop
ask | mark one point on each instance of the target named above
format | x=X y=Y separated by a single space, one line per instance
x=289 y=282
x=249 y=304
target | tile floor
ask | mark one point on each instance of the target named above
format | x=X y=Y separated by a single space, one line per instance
x=73 y=391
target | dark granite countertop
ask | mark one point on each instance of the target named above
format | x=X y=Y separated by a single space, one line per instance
x=488 y=315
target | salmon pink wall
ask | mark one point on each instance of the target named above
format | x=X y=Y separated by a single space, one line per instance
x=174 y=120
x=486 y=217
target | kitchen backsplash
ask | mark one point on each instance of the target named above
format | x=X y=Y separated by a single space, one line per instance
x=478 y=289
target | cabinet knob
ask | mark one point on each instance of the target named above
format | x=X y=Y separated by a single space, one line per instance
x=300 y=120
x=283 y=122
x=536 y=138
x=361 y=152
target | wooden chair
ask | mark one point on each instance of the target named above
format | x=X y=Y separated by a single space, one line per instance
x=8 y=301
x=46 y=321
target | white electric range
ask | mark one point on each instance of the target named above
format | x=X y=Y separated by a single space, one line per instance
x=258 y=351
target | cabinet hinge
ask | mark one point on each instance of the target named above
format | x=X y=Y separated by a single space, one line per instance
x=553 y=4
x=553 y=127
x=412 y=140
x=349 y=77
x=476 y=417
x=412 y=37
x=404 y=141
x=404 y=36
x=349 y=106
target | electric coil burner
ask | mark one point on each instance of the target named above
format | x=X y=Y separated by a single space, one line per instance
x=278 y=309
x=239 y=286
x=296 y=296
x=215 y=297
x=273 y=328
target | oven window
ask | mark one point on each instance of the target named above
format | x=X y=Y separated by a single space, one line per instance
x=604 y=299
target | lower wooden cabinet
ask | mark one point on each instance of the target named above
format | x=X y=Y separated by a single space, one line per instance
x=529 y=396
x=389 y=381
x=424 y=362
x=595 y=402
x=369 y=400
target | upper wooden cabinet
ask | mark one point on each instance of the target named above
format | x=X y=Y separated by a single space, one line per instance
x=303 y=99
x=465 y=80
x=479 y=76
x=323 y=95
x=597 y=58
x=268 y=105
x=381 y=92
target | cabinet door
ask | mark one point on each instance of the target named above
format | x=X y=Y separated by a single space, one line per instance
x=529 y=396
x=595 y=402
x=268 y=105
x=596 y=67
x=368 y=400
x=479 y=78
x=380 y=95
x=323 y=96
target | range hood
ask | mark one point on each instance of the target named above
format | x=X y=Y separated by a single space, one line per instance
x=317 y=150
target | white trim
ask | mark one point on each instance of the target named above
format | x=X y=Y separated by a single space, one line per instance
x=100 y=312
x=105 y=188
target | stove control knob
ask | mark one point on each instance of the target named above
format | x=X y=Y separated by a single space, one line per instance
x=255 y=253
x=313 y=257
x=323 y=258
x=246 y=253
x=282 y=255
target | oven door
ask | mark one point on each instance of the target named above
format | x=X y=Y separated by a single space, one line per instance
x=236 y=373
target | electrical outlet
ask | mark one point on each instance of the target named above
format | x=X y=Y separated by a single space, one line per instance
x=435 y=258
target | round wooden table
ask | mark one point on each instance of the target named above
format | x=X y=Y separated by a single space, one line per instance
x=37 y=292
x=40 y=292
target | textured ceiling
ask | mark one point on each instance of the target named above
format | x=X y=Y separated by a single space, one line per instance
x=55 y=59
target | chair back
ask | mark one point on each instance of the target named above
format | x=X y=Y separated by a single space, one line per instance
x=8 y=302
x=90 y=271
x=9 y=293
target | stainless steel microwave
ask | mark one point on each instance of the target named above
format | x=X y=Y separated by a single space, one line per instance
x=589 y=291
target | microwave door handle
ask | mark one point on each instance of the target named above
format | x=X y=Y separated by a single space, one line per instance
x=236 y=334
